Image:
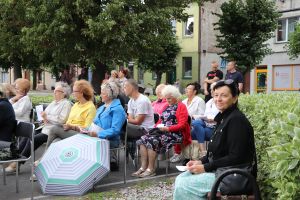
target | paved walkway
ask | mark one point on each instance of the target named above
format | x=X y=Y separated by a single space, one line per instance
x=113 y=180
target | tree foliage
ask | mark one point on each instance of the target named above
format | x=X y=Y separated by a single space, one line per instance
x=245 y=26
x=294 y=43
x=55 y=34
x=161 y=59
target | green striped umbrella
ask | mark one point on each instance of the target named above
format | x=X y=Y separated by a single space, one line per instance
x=73 y=166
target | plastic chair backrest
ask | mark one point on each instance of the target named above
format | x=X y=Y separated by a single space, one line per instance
x=24 y=129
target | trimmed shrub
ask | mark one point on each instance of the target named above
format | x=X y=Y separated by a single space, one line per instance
x=276 y=122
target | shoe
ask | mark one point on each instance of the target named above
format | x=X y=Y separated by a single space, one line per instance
x=176 y=158
x=33 y=178
x=138 y=172
x=147 y=173
x=10 y=169
x=36 y=163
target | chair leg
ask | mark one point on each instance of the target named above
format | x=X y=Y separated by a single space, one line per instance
x=136 y=160
x=118 y=156
x=125 y=167
x=17 y=178
x=168 y=163
x=32 y=170
x=4 y=175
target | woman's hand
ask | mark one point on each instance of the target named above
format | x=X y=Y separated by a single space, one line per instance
x=67 y=127
x=44 y=116
x=195 y=167
x=210 y=120
x=17 y=97
x=164 y=129
x=193 y=162
x=93 y=134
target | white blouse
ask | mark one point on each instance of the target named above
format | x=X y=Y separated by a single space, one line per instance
x=211 y=111
x=196 y=107
x=22 y=108
x=57 y=114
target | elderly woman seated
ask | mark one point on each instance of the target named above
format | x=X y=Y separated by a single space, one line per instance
x=81 y=115
x=21 y=102
x=175 y=129
x=7 y=117
x=161 y=103
x=110 y=117
x=55 y=114
x=195 y=105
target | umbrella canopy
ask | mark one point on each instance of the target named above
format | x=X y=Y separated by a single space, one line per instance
x=73 y=166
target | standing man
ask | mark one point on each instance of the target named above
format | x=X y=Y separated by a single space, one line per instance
x=213 y=76
x=140 y=114
x=235 y=75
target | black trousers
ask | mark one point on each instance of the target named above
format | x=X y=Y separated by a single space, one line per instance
x=24 y=144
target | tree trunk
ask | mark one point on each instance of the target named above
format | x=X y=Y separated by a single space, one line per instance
x=98 y=76
x=34 y=80
x=158 y=79
x=17 y=72
x=246 y=85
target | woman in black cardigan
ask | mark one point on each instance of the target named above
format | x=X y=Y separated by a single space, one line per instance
x=232 y=144
x=7 y=117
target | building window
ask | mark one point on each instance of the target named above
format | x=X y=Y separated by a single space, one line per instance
x=173 y=24
x=189 y=26
x=285 y=27
x=187 y=67
x=286 y=77
x=4 y=77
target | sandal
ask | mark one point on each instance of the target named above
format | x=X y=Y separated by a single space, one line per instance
x=147 y=173
x=138 y=172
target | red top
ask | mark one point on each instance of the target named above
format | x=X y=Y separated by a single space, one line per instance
x=182 y=125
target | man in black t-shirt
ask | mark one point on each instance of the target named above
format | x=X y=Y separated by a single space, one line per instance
x=235 y=75
x=213 y=76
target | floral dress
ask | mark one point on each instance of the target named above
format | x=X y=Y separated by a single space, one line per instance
x=163 y=142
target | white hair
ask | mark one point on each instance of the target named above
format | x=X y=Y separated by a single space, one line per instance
x=160 y=87
x=112 y=88
x=66 y=88
x=171 y=90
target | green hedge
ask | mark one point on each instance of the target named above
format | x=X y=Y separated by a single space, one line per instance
x=276 y=122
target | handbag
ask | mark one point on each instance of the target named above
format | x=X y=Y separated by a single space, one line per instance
x=235 y=184
x=155 y=132
x=8 y=150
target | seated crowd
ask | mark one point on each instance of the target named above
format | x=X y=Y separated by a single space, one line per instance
x=182 y=125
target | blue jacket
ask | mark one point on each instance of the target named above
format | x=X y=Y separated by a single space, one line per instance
x=111 y=120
